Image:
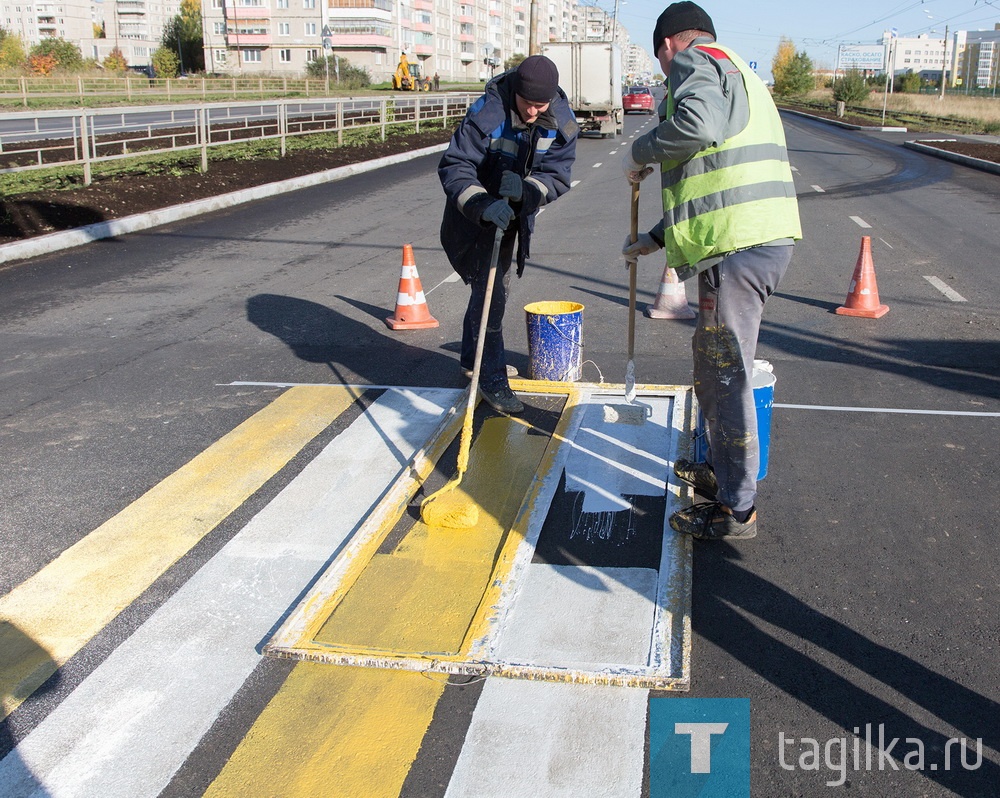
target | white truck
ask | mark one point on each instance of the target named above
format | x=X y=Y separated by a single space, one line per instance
x=591 y=75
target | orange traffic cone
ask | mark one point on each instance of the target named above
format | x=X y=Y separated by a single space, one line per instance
x=862 y=298
x=411 y=305
x=671 y=300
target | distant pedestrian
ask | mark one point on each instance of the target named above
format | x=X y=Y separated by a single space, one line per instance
x=730 y=217
x=511 y=155
x=437 y=82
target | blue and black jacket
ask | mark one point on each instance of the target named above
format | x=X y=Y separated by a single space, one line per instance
x=489 y=141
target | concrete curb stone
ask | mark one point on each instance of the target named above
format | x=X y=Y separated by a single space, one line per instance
x=53 y=242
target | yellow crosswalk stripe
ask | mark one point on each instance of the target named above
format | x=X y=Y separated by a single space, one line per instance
x=48 y=618
x=333 y=732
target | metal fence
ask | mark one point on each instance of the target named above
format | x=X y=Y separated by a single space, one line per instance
x=23 y=89
x=87 y=136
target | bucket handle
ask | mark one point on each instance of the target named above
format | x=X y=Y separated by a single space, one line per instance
x=552 y=321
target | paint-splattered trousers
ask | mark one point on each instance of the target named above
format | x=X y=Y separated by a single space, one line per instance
x=731 y=297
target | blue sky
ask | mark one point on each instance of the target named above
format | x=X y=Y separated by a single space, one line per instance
x=753 y=29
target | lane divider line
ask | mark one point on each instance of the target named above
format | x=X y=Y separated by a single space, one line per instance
x=945 y=289
x=859 y=221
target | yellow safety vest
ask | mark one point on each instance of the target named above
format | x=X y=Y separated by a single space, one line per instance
x=737 y=195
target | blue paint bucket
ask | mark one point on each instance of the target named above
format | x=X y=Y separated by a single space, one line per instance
x=555 y=340
x=762 y=381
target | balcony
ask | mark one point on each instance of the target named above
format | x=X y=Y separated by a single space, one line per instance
x=361 y=41
x=248 y=39
x=466 y=56
x=247 y=12
x=343 y=14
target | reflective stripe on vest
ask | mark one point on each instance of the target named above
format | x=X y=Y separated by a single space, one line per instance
x=736 y=195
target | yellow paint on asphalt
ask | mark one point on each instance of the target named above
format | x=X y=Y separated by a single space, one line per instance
x=333 y=732
x=421 y=598
x=48 y=618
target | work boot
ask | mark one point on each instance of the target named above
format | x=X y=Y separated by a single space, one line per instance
x=713 y=521
x=699 y=476
x=467 y=373
x=502 y=399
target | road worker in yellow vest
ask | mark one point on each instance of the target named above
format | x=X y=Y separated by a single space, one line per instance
x=730 y=218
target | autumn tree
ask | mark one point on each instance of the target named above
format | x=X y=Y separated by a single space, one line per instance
x=165 y=63
x=183 y=35
x=792 y=71
x=12 y=55
x=115 y=61
x=67 y=56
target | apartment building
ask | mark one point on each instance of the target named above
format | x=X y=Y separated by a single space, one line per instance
x=460 y=40
x=72 y=20
x=976 y=60
x=135 y=27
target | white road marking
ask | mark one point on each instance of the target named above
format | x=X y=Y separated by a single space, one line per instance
x=613 y=152
x=574 y=184
x=859 y=221
x=943 y=287
x=536 y=738
x=132 y=722
x=886 y=243
x=819 y=189
x=540 y=211
x=451 y=278
x=891 y=410
x=597 y=164
x=795 y=169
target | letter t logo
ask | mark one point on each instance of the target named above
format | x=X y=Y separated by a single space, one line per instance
x=701 y=743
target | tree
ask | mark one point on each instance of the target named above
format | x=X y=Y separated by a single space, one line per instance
x=183 y=35
x=909 y=82
x=792 y=71
x=351 y=77
x=782 y=59
x=116 y=61
x=165 y=63
x=514 y=60
x=851 y=88
x=67 y=56
x=12 y=55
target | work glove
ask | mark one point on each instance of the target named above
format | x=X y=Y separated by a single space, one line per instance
x=511 y=186
x=634 y=172
x=499 y=213
x=645 y=244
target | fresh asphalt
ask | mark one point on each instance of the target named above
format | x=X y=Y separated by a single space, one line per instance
x=869 y=596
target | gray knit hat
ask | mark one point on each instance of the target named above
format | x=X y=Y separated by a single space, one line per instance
x=681 y=16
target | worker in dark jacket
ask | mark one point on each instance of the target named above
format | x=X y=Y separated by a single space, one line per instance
x=511 y=155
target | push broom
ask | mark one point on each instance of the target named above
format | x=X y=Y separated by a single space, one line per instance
x=463 y=514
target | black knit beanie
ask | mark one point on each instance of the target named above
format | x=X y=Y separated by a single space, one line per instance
x=537 y=79
x=680 y=16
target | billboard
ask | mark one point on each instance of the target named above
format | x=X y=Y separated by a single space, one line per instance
x=861 y=56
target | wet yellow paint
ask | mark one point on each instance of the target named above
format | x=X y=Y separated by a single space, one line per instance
x=421 y=598
x=47 y=619
x=333 y=732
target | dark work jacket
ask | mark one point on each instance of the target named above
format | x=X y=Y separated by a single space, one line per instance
x=489 y=141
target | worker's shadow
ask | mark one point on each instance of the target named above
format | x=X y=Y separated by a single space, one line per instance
x=735 y=610
x=19 y=653
x=352 y=350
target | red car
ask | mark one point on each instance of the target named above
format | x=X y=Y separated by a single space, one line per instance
x=639 y=98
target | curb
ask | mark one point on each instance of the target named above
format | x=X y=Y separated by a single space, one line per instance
x=53 y=242
x=965 y=160
x=875 y=128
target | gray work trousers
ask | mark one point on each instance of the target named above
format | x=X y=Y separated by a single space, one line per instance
x=731 y=297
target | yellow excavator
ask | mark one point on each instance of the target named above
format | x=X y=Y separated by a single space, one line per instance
x=407 y=76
